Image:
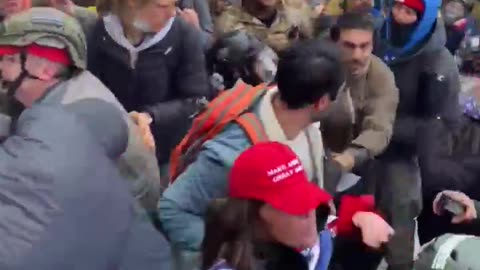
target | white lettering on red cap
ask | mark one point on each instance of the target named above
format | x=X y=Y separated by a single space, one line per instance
x=284 y=171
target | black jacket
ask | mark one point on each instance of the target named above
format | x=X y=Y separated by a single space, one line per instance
x=428 y=83
x=164 y=80
x=449 y=157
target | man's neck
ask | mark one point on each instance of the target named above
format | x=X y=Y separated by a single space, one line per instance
x=133 y=35
x=293 y=122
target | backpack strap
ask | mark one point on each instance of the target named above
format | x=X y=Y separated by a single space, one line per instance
x=224 y=109
x=253 y=128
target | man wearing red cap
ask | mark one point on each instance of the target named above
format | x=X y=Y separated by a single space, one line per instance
x=412 y=43
x=288 y=113
x=44 y=63
x=287 y=216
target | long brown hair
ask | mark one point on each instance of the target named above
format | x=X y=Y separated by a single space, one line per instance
x=230 y=233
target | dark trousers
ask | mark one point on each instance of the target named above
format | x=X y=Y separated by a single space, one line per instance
x=396 y=184
x=353 y=254
x=398 y=194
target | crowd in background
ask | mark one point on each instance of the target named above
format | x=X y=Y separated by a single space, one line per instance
x=254 y=134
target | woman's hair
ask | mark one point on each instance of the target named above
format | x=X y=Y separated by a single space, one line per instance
x=230 y=233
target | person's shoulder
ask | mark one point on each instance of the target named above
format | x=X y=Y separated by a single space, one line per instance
x=440 y=61
x=187 y=32
x=84 y=12
x=86 y=85
x=233 y=15
x=227 y=145
x=299 y=5
x=379 y=70
x=234 y=11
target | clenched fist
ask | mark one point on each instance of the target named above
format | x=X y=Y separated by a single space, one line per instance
x=375 y=230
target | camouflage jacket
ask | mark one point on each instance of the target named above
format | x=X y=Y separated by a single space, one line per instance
x=279 y=35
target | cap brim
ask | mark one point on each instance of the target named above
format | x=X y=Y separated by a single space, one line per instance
x=298 y=199
x=8 y=50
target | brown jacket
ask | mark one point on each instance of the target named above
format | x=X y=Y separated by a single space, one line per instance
x=375 y=98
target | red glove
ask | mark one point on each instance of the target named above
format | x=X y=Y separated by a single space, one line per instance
x=349 y=206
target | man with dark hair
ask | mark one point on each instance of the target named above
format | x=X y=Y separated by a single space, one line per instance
x=359 y=126
x=371 y=100
x=309 y=76
x=412 y=43
x=298 y=86
x=365 y=7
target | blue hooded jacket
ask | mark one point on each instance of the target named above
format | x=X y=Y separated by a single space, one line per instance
x=425 y=74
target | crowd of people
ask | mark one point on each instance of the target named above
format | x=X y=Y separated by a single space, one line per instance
x=239 y=135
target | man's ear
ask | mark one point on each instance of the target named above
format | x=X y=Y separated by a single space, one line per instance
x=322 y=104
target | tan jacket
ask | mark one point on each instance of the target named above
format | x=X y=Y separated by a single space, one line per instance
x=375 y=100
x=277 y=36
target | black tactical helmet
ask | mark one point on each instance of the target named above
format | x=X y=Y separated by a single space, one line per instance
x=468 y=55
x=237 y=55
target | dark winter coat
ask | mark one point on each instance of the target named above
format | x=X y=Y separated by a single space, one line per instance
x=449 y=157
x=427 y=78
x=163 y=79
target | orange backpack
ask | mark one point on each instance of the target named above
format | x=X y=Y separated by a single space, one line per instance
x=231 y=106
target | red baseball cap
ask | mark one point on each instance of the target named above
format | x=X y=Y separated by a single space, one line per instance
x=272 y=173
x=55 y=55
x=417 y=5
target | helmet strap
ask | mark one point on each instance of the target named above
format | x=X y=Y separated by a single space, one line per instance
x=15 y=107
x=13 y=86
